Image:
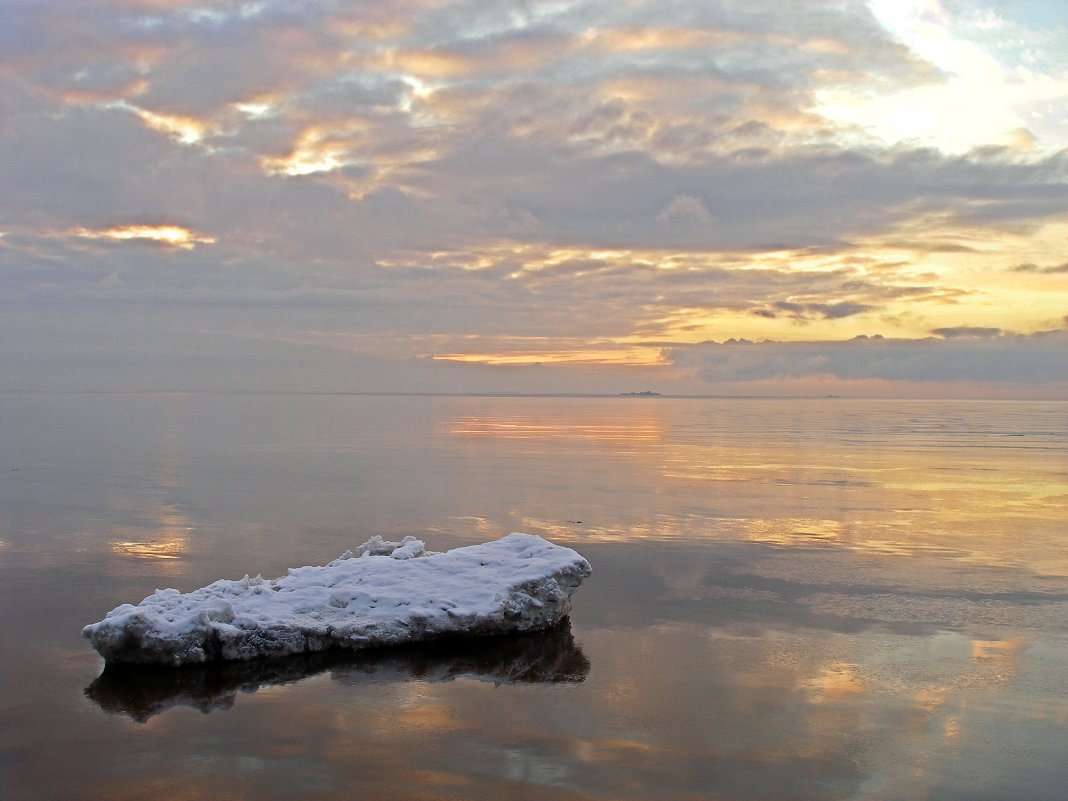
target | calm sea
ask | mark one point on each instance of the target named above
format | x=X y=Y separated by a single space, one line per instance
x=791 y=599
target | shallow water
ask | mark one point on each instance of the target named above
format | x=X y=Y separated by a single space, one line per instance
x=791 y=599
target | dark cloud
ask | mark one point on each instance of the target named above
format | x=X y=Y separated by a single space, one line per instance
x=810 y=311
x=1034 y=268
x=826 y=311
x=967 y=331
x=1038 y=358
x=799 y=200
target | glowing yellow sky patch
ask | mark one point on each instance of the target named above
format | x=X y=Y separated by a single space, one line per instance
x=172 y=235
x=420 y=88
x=977 y=101
x=258 y=108
x=694 y=325
x=979 y=262
x=564 y=350
x=313 y=152
x=187 y=130
x=305 y=162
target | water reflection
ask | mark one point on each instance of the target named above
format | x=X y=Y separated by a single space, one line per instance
x=792 y=600
x=624 y=428
x=163 y=537
x=162 y=530
x=875 y=478
x=142 y=692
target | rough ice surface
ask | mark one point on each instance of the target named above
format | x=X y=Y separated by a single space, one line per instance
x=385 y=593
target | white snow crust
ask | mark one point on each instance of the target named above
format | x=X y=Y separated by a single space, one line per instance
x=386 y=593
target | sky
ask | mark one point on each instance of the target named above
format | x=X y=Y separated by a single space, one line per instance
x=722 y=197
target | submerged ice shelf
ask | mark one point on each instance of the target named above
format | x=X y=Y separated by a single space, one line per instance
x=386 y=593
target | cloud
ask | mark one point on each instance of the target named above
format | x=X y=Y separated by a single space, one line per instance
x=472 y=178
x=1002 y=81
x=967 y=332
x=827 y=311
x=169 y=235
x=684 y=211
x=646 y=143
x=1038 y=358
x=1034 y=268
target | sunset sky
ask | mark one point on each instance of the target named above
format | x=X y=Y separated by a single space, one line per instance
x=758 y=196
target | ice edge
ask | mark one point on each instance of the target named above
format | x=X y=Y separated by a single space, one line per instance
x=385 y=593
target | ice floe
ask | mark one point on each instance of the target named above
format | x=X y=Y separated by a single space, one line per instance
x=385 y=593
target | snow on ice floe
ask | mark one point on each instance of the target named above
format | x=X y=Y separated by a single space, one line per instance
x=385 y=593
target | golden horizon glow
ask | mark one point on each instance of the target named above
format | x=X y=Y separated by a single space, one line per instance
x=889 y=286
x=610 y=354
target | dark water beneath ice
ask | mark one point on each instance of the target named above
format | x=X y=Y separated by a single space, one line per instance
x=791 y=599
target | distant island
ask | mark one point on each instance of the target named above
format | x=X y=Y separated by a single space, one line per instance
x=646 y=394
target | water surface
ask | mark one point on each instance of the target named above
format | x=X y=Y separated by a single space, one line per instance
x=791 y=599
